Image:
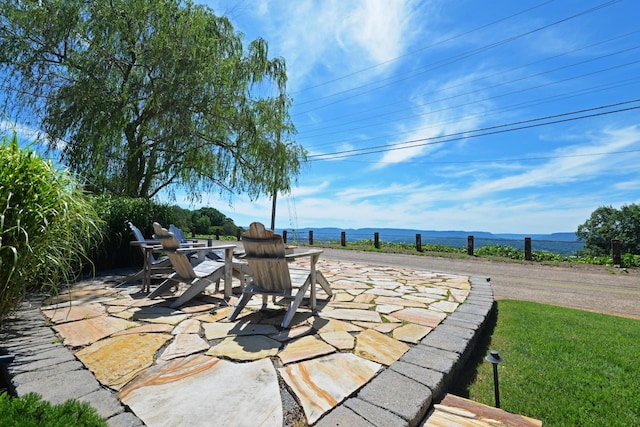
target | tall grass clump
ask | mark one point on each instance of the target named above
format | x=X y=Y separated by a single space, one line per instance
x=48 y=225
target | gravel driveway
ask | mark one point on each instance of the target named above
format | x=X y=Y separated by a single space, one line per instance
x=594 y=288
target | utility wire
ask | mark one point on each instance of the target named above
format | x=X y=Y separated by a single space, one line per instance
x=518 y=159
x=413 y=52
x=492 y=75
x=482 y=100
x=481 y=132
x=449 y=60
x=509 y=108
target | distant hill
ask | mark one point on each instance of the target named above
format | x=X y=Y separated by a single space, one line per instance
x=565 y=243
x=403 y=234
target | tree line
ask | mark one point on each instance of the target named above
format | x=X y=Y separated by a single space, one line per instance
x=204 y=221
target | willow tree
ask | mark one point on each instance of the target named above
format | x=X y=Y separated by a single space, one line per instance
x=142 y=95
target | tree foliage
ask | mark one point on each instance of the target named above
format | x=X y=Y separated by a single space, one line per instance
x=203 y=221
x=607 y=223
x=143 y=95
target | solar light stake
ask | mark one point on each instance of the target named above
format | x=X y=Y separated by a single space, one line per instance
x=495 y=359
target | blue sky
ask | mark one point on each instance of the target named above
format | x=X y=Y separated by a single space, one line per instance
x=391 y=99
x=410 y=111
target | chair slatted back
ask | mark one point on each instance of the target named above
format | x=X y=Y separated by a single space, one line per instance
x=140 y=238
x=265 y=254
x=178 y=233
x=170 y=244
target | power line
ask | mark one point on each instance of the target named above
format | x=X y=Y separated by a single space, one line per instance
x=463 y=135
x=509 y=108
x=496 y=74
x=487 y=98
x=517 y=159
x=452 y=59
x=413 y=52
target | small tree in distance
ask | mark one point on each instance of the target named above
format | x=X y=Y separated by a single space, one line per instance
x=607 y=223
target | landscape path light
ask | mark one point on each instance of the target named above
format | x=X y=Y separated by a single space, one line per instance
x=495 y=359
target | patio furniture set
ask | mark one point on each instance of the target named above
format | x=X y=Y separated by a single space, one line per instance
x=262 y=268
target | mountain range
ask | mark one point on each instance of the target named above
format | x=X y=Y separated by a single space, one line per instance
x=408 y=235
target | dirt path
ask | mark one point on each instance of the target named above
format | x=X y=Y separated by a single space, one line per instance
x=594 y=288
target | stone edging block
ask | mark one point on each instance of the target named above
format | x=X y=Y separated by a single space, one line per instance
x=408 y=387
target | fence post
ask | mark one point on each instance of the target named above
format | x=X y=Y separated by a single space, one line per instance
x=470 y=245
x=615 y=252
x=376 y=240
x=238 y=233
x=343 y=238
x=527 y=249
x=419 y=242
x=310 y=237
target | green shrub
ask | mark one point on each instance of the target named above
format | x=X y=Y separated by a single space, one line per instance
x=630 y=260
x=115 y=211
x=31 y=411
x=504 y=251
x=48 y=225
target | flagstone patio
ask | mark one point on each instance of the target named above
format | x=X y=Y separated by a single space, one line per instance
x=194 y=367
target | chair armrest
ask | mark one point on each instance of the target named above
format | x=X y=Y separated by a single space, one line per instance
x=301 y=254
x=149 y=247
x=192 y=244
x=149 y=242
x=204 y=248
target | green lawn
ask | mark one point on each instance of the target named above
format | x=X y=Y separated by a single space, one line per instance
x=564 y=367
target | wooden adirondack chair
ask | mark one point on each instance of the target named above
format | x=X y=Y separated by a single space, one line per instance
x=154 y=265
x=240 y=269
x=199 y=274
x=271 y=275
x=182 y=238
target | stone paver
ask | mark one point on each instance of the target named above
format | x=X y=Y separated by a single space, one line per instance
x=373 y=345
x=322 y=383
x=115 y=361
x=305 y=348
x=249 y=347
x=203 y=390
x=376 y=353
x=87 y=331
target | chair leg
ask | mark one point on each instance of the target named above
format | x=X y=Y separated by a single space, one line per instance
x=196 y=288
x=162 y=288
x=244 y=299
x=132 y=278
x=293 y=306
x=323 y=282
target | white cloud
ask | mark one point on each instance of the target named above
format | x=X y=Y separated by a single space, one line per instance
x=573 y=163
x=457 y=109
x=25 y=133
x=328 y=39
x=378 y=27
x=391 y=191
